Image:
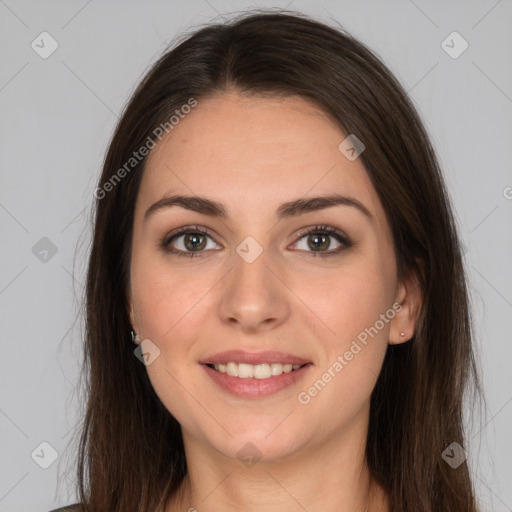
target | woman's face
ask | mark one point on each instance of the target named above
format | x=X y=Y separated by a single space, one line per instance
x=258 y=282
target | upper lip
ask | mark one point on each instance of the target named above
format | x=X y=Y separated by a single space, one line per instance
x=240 y=356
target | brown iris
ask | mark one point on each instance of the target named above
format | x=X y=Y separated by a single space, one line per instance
x=315 y=245
x=193 y=238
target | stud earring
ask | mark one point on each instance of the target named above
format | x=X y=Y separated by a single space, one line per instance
x=135 y=337
x=402 y=334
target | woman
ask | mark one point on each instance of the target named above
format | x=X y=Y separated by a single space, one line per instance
x=274 y=235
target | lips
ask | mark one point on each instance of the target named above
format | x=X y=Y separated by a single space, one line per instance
x=273 y=372
x=253 y=387
x=253 y=358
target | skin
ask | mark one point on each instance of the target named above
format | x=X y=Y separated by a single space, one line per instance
x=252 y=154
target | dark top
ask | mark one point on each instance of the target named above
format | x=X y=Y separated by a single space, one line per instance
x=69 y=508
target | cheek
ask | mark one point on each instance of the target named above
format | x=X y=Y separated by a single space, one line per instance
x=173 y=304
x=349 y=314
x=167 y=296
x=344 y=301
x=171 y=310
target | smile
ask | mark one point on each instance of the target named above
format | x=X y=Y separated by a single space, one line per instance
x=255 y=381
x=256 y=371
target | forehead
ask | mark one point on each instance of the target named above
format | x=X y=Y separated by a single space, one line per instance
x=253 y=153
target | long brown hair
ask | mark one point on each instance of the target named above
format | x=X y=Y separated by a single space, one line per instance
x=131 y=455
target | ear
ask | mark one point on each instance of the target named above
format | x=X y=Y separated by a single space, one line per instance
x=409 y=296
x=131 y=313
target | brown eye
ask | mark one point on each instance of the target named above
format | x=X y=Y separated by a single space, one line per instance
x=319 y=241
x=194 y=241
x=187 y=241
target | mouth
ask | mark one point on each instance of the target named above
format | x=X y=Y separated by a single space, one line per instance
x=255 y=375
x=256 y=371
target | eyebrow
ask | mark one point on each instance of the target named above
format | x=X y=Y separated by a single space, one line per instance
x=294 y=208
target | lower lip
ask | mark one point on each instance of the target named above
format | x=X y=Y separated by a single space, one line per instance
x=256 y=388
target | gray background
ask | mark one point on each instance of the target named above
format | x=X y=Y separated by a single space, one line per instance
x=57 y=116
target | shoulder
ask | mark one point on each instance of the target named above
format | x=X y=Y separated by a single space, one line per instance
x=69 y=508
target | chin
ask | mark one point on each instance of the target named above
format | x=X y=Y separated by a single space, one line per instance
x=250 y=445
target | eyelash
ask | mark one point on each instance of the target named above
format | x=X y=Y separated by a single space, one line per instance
x=318 y=230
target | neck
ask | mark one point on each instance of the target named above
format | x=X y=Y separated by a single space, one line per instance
x=329 y=476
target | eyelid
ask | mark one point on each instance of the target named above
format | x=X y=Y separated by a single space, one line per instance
x=189 y=229
x=323 y=228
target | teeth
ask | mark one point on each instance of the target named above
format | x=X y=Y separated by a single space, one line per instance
x=257 y=371
x=245 y=371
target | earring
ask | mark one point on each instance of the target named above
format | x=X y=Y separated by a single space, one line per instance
x=402 y=334
x=135 y=337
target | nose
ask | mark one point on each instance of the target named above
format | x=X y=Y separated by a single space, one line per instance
x=254 y=296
